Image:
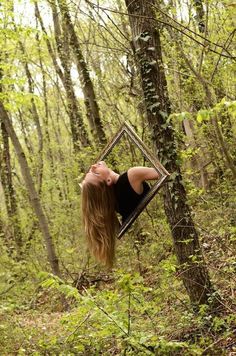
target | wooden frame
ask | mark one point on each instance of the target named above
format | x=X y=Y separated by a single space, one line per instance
x=126 y=128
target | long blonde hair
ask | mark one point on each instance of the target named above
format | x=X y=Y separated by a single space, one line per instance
x=100 y=220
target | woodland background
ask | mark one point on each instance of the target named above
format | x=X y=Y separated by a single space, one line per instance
x=71 y=72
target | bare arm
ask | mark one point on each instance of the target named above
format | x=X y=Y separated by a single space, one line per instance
x=137 y=175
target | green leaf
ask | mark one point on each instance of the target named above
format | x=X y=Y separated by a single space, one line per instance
x=203 y=115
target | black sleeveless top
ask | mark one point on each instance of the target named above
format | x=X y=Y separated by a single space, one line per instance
x=127 y=199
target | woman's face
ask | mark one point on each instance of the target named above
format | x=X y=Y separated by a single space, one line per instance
x=98 y=172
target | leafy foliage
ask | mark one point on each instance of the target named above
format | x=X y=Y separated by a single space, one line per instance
x=140 y=307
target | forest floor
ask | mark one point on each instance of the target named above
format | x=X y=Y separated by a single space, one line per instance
x=52 y=325
x=139 y=308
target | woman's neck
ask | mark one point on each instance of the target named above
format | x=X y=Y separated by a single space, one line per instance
x=114 y=177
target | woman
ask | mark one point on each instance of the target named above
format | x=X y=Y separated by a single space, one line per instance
x=105 y=192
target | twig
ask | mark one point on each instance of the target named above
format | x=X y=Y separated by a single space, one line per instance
x=228 y=55
x=215 y=343
x=105 y=312
x=78 y=326
x=227 y=43
x=7 y=290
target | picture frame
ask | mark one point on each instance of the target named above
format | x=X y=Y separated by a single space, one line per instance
x=149 y=156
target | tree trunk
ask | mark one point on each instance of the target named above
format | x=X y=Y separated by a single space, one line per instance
x=197 y=162
x=45 y=118
x=199 y=15
x=9 y=190
x=210 y=102
x=146 y=41
x=26 y=136
x=13 y=239
x=91 y=104
x=34 y=198
x=78 y=131
x=36 y=119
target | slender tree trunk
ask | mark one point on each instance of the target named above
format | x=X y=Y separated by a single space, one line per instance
x=199 y=15
x=210 y=102
x=201 y=159
x=46 y=108
x=46 y=123
x=146 y=41
x=5 y=236
x=63 y=52
x=36 y=119
x=10 y=194
x=8 y=187
x=33 y=195
x=91 y=104
x=78 y=131
x=26 y=136
x=197 y=162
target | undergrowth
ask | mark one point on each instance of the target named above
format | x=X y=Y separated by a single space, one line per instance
x=138 y=308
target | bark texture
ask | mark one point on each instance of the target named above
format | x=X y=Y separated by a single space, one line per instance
x=199 y=15
x=33 y=195
x=148 y=54
x=78 y=131
x=9 y=191
x=92 y=109
x=10 y=196
x=35 y=116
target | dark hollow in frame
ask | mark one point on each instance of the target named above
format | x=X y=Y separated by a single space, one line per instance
x=127 y=129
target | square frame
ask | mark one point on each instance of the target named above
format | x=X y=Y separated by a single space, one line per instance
x=126 y=128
